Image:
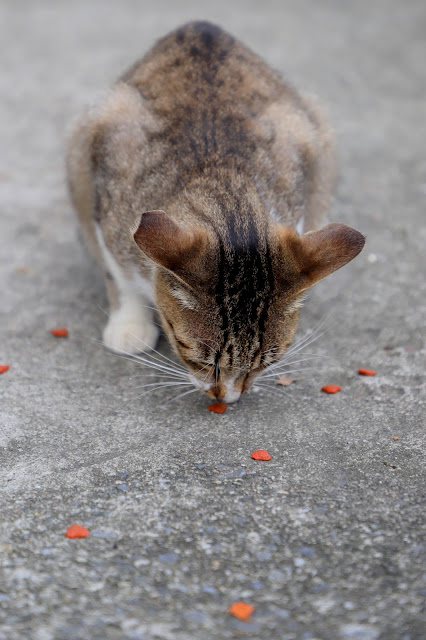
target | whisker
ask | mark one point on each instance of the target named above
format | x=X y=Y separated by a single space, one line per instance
x=206 y=343
x=154 y=375
x=277 y=374
x=267 y=389
x=160 y=381
x=272 y=370
x=158 y=353
x=298 y=347
x=149 y=355
x=283 y=361
x=183 y=394
x=147 y=306
x=313 y=334
x=162 y=386
x=306 y=343
x=150 y=365
x=154 y=364
x=144 y=343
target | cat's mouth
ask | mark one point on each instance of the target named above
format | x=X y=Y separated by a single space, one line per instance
x=223 y=391
x=230 y=395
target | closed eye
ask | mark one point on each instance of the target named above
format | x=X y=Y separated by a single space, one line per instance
x=181 y=343
x=199 y=362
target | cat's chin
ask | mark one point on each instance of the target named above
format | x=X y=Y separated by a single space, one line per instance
x=231 y=396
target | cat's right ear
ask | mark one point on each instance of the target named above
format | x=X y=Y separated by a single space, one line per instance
x=170 y=245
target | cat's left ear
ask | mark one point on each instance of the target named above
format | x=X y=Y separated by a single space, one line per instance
x=172 y=246
x=316 y=254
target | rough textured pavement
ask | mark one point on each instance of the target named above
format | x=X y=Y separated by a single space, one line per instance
x=326 y=539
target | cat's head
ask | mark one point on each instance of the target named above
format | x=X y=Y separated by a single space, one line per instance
x=229 y=299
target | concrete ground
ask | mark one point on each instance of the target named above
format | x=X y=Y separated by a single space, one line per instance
x=326 y=539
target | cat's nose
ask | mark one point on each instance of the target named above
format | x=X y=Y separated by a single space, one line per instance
x=227 y=393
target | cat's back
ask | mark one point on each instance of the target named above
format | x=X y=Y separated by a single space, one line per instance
x=197 y=106
x=199 y=65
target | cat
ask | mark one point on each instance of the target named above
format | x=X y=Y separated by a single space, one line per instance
x=200 y=182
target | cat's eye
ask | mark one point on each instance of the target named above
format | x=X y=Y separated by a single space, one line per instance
x=181 y=343
x=199 y=363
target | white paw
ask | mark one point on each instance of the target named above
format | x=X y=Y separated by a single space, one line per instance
x=130 y=330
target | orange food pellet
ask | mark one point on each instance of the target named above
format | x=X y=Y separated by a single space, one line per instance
x=4 y=367
x=331 y=388
x=260 y=454
x=59 y=332
x=367 y=372
x=241 y=610
x=395 y=438
x=218 y=407
x=76 y=531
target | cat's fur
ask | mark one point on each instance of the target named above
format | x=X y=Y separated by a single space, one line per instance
x=197 y=173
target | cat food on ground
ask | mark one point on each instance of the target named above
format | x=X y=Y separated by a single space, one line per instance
x=367 y=372
x=241 y=610
x=218 y=407
x=4 y=367
x=260 y=454
x=331 y=388
x=395 y=438
x=59 y=332
x=76 y=531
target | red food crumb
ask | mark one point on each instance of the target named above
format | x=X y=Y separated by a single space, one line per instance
x=366 y=372
x=241 y=610
x=331 y=388
x=260 y=454
x=4 y=367
x=59 y=332
x=76 y=531
x=218 y=407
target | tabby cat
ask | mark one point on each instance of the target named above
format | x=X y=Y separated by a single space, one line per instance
x=199 y=182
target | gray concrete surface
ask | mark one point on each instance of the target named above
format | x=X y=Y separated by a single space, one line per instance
x=325 y=540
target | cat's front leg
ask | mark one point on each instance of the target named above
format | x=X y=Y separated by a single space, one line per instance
x=131 y=327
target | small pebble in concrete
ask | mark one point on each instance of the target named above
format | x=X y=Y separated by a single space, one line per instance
x=98 y=533
x=122 y=486
x=309 y=552
x=168 y=558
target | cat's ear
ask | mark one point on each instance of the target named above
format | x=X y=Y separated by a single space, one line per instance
x=316 y=254
x=170 y=245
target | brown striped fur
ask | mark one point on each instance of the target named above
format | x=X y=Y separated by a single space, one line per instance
x=197 y=167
